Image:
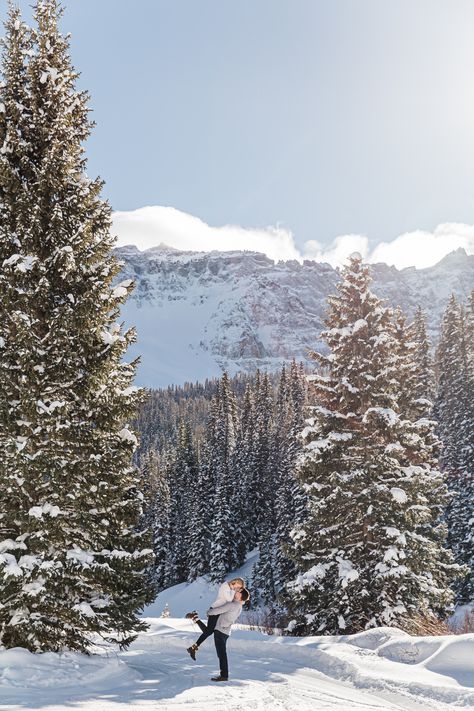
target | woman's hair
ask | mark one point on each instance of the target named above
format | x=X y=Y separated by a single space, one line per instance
x=237 y=580
x=245 y=595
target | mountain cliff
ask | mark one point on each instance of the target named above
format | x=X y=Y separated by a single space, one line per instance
x=197 y=313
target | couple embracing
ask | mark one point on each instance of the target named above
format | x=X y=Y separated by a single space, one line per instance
x=222 y=614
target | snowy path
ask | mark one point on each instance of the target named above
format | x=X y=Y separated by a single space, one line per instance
x=267 y=674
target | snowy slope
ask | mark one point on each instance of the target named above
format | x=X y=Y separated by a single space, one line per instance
x=199 y=312
x=197 y=595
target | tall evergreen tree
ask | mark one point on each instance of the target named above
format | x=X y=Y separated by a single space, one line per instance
x=290 y=499
x=199 y=552
x=450 y=363
x=183 y=480
x=283 y=495
x=424 y=361
x=406 y=373
x=242 y=466
x=72 y=561
x=265 y=571
x=223 y=543
x=455 y=413
x=297 y=394
x=365 y=553
x=261 y=494
x=156 y=517
x=470 y=325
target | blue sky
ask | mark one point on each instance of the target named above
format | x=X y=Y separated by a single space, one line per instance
x=323 y=117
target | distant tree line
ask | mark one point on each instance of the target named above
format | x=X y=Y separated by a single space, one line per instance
x=211 y=499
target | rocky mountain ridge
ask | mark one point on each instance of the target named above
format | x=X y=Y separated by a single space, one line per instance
x=197 y=313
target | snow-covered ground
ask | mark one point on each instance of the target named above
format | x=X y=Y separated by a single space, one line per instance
x=379 y=670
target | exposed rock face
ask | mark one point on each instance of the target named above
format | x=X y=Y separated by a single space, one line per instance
x=199 y=312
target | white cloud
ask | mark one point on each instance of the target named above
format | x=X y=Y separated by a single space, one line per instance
x=149 y=226
x=338 y=250
x=422 y=249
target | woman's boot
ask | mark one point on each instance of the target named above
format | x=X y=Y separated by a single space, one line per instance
x=192 y=651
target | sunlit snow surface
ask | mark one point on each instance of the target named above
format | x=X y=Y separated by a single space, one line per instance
x=379 y=670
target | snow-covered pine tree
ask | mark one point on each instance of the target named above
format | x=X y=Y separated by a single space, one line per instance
x=242 y=465
x=271 y=484
x=284 y=499
x=361 y=554
x=183 y=479
x=451 y=384
x=297 y=394
x=421 y=446
x=455 y=415
x=223 y=543
x=156 y=516
x=72 y=559
x=290 y=499
x=405 y=374
x=424 y=360
x=199 y=551
x=470 y=326
x=261 y=486
x=467 y=588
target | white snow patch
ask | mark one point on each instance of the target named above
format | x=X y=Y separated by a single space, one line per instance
x=347 y=572
x=10 y=566
x=399 y=495
x=386 y=413
x=127 y=436
x=85 y=609
x=39 y=511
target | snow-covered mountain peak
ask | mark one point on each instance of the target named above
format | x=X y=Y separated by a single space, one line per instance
x=161 y=248
x=455 y=258
x=199 y=312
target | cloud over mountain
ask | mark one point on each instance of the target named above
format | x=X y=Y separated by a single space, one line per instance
x=148 y=227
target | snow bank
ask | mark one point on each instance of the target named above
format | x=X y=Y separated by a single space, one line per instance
x=457 y=619
x=374 y=638
x=20 y=669
x=448 y=655
x=380 y=669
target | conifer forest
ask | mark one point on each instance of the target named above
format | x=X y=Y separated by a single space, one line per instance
x=353 y=481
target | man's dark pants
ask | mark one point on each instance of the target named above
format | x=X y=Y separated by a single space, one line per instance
x=220 y=640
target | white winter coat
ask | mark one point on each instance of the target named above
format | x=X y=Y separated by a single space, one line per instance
x=224 y=594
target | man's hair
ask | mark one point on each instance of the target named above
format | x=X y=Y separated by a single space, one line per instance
x=245 y=595
x=237 y=580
